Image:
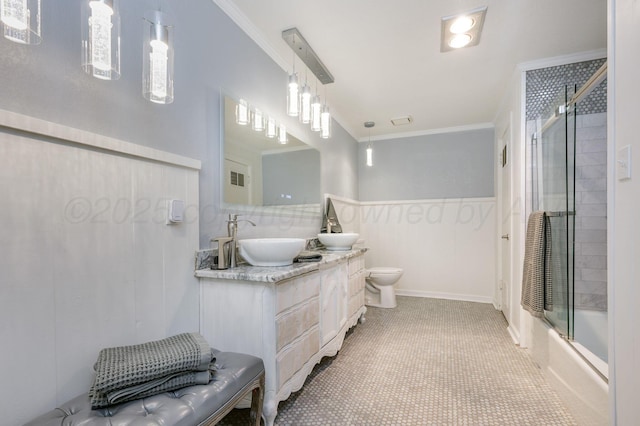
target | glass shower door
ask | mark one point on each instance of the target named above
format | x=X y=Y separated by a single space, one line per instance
x=556 y=196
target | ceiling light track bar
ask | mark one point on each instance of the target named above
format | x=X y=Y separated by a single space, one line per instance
x=301 y=48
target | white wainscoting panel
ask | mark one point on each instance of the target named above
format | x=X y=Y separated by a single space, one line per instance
x=87 y=262
x=446 y=247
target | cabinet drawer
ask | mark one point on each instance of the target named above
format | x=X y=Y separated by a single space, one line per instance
x=297 y=290
x=293 y=358
x=292 y=324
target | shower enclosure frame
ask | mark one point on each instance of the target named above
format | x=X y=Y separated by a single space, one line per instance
x=562 y=318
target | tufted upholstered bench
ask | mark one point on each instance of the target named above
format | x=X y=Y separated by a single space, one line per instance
x=236 y=375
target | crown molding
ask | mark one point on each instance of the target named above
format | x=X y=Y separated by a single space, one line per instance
x=563 y=60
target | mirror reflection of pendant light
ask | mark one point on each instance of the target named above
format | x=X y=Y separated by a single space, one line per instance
x=369 y=125
x=157 y=58
x=325 y=122
x=282 y=134
x=258 y=120
x=101 y=39
x=272 y=129
x=21 y=21
x=242 y=112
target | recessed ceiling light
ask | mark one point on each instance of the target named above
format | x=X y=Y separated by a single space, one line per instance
x=461 y=25
x=459 y=40
x=461 y=30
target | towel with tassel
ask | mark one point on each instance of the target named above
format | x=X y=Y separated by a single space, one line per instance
x=537 y=284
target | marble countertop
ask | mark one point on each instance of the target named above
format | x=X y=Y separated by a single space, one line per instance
x=274 y=274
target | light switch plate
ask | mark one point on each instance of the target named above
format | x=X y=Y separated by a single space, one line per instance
x=175 y=211
x=623 y=163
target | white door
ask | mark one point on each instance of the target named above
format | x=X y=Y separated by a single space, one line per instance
x=237 y=182
x=505 y=225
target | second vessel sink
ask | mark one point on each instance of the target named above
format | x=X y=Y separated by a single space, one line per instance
x=270 y=251
x=339 y=241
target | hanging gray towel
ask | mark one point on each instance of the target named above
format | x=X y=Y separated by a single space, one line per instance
x=537 y=285
x=330 y=214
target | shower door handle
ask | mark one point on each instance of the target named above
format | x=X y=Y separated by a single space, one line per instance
x=505 y=237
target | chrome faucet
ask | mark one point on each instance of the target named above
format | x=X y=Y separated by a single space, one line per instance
x=232 y=231
x=331 y=222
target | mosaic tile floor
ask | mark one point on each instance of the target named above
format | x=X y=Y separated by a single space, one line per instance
x=427 y=362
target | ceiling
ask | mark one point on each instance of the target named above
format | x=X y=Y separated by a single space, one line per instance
x=386 y=60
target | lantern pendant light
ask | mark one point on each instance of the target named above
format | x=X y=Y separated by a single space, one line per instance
x=272 y=129
x=316 y=111
x=282 y=134
x=369 y=151
x=21 y=21
x=101 y=39
x=257 y=123
x=325 y=122
x=242 y=113
x=157 y=57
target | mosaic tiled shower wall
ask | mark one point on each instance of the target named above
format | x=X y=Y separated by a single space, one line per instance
x=542 y=89
x=544 y=84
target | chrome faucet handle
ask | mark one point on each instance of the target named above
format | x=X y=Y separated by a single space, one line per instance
x=233 y=218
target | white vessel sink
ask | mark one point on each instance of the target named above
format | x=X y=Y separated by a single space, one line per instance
x=270 y=251
x=340 y=241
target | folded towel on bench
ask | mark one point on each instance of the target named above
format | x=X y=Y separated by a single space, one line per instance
x=125 y=373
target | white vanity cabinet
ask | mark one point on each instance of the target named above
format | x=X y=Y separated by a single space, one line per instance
x=290 y=323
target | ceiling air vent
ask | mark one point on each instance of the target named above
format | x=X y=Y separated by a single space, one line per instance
x=401 y=121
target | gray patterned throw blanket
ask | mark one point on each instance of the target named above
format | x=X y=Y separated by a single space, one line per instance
x=537 y=283
x=130 y=372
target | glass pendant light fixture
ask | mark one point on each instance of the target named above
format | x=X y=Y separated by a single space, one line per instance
x=257 y=123
x=316 y=110
x=242 y=112
x=157 y=58
x=293 y=96
x=369 y=125
x=272 y=129
x=282 y=134
x=305 y=104
x=325 y=122
x=21 y=21
x=101 y=39
x=293 y=99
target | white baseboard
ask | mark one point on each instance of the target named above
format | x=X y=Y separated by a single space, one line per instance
x=515 y=336
x=449 y=296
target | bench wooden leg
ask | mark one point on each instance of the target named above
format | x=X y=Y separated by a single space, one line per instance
x=257 y=398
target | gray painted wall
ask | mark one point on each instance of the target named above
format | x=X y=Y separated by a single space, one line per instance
x=446 y=165
x=212 y=55
x=277 y=170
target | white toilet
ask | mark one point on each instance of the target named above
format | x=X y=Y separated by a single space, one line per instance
x=379 y=291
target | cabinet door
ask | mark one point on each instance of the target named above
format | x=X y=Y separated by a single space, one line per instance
x=329 y=290
x=343 y=295
x=334 y=299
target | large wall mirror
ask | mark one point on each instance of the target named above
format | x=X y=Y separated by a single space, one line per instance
x=262 y=175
